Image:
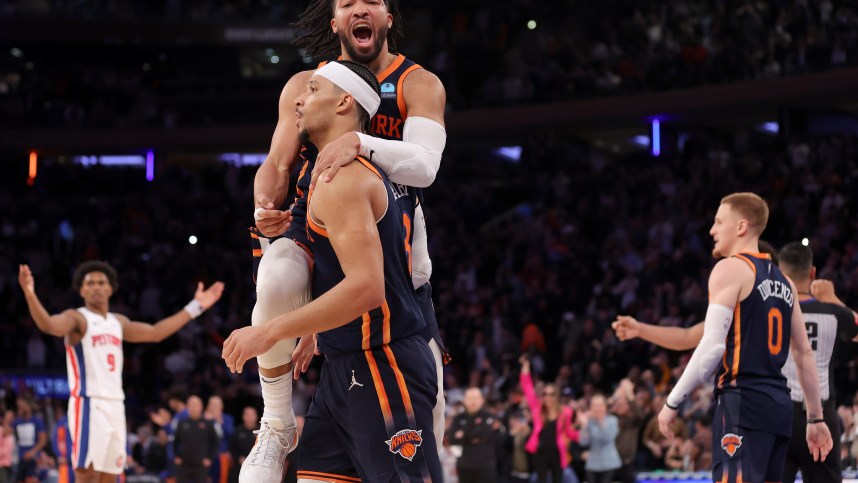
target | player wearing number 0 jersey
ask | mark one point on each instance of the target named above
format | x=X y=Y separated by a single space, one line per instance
x=752 y=321
x=93 y=338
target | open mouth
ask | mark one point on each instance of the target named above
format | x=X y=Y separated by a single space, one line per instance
x=362 y=34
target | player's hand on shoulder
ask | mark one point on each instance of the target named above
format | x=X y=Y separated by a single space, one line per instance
x=626 y=327
x=307 y=347
x=334 y=156
x=25 y=278
x=823 y=290
x=209 y=296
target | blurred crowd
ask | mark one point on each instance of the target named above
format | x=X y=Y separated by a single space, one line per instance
x=533 y=258
x=486 y=53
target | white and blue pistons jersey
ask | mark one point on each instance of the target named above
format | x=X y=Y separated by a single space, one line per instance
x=95 y=363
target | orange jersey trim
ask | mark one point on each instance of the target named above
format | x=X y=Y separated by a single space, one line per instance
x=385 y=309
x=737 y=341
x=369 y=165
x=390 y=68
x=365 y=331
x=257 y=252
x=400 y=381
x=726 y=370
x=383 y=401
x=316 y=228
x=757 y=255
x=314 y=475
x=749 y=262
x=400 y=98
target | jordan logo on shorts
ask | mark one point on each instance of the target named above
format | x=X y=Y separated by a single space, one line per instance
x=731 y=443
x=354 y=381
x=405 y=443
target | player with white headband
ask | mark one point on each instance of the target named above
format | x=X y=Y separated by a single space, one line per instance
x=371 y=416
x=406 y=142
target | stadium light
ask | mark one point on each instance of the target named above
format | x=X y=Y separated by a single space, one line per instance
x=655 y=144
x=150 y=165
x=34 y=168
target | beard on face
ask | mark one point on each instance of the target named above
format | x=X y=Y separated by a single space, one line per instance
x=377 y=43
x=304 y=136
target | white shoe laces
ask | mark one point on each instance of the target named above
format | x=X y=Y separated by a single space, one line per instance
x=273 y=450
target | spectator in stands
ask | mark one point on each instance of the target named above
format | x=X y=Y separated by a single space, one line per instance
x=477 y=432
x=195 y=444
x=599 y=432
x=242 y=440
x=630 y=418
x=224 y=427
x=552 y=427
x=7 y=447
x=31 y=439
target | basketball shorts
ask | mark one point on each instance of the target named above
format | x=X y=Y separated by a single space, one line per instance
x=371 y=417
x=740 y=453
x=98 y=434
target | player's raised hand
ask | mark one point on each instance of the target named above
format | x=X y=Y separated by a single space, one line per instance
x=208 y=297
x=665 y=419
x=823 y=290
x=302 y=355
x=626 y=327
x=243 y=344
x=819 y=440
x=25 y=278
x=335 y=155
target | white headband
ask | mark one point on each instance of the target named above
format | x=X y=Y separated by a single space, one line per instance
x=345 y=79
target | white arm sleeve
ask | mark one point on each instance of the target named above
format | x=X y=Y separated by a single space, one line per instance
x=708 y=354
x=415 y=160
x=421 y=264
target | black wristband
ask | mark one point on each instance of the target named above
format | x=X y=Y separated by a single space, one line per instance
x=669 y=406
x=815 y=421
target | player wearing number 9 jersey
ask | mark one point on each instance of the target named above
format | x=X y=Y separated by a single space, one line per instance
x=93 y=338
x=752 y=321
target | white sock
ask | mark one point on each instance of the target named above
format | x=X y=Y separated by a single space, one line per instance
x=277 y=398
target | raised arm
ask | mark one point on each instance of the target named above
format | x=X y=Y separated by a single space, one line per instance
x=673 y=338
x=526 y=381
x=347 y=207
x=60 y=325
x=271 y=184
x=143 y=332
x=818 y=435
x=415 y=160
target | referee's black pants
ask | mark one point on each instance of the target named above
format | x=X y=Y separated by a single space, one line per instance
x=799 y=457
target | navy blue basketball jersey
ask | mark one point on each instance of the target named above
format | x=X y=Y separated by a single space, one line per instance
x=387 y=123
x=758 y=345
x=400 y=316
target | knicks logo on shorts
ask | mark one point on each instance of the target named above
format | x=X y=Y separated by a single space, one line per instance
x=405 y=443
x=731 y=443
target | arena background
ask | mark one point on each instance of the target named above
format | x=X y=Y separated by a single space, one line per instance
x=589 y=144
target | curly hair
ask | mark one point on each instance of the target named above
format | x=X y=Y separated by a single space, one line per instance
x=86 y=268
x=319 y=40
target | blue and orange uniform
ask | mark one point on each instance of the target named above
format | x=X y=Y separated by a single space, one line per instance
x=753 y=413
x=371 y=415
x=388 y=123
